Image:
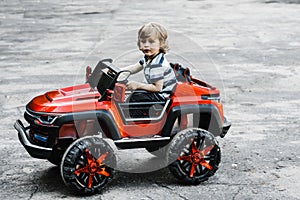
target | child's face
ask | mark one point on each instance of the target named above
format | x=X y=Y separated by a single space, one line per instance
x=150 y=46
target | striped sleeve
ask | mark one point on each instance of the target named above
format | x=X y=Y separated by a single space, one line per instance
x=157 y=73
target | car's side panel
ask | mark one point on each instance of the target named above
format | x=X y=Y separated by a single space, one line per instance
x=214 y=121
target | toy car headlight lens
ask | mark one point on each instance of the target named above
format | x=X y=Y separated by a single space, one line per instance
x=46 y=119
x=215 y=98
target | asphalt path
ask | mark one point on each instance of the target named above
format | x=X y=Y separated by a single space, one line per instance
x=248 y=49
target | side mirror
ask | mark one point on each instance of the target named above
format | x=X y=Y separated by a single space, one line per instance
x=123 y=76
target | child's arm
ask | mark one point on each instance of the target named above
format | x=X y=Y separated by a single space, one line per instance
x=135 y=68
x=155 y=87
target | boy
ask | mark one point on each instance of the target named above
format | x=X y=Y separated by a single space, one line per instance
x=159 y=76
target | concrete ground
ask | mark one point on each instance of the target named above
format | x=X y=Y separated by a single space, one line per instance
x=249 y=49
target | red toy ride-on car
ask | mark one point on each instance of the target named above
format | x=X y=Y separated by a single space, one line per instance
x=74 y=127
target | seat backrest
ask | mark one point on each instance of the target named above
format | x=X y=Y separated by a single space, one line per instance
x=182 y=73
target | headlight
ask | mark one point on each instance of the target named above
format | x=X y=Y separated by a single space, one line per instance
x=42 y=118
x=48 y=119
x=213 y=97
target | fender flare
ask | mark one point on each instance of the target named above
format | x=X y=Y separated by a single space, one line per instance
x=102 y=116
x=177 y=111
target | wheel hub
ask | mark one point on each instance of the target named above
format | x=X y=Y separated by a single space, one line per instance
x=93 y=167
x=197 y=158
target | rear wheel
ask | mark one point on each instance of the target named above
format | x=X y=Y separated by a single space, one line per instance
x=88 y=165
x=193 y=156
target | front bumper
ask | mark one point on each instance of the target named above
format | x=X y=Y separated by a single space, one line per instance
x=225 y=127
x=34 y=150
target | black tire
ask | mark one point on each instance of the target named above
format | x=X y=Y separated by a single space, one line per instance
x=55 y=158
x=58 y=151
x=88 y=165
x=193 y=156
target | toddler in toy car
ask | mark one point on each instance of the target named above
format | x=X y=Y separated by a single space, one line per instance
x=159 y=76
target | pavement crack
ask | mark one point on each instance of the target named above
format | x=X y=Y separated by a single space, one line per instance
x=34 y=191
x=149 y=197
x=164 y=186
x=172 y=190
x=183 y=197
x=237 y=193
x=239 y=184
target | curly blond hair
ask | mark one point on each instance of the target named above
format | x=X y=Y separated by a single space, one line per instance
x=154 y=29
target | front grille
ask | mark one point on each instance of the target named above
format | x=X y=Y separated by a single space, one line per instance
x=41 y=134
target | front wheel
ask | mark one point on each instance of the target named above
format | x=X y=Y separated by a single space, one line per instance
x=193 y=156
x=88 y=165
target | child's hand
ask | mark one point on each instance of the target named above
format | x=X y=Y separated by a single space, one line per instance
x=133 y=85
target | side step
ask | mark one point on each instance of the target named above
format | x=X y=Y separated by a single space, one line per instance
x=132 y=143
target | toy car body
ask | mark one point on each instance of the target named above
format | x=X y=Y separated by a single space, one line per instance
x=81 y=117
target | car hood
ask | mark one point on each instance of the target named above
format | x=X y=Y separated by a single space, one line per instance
x=69 y=99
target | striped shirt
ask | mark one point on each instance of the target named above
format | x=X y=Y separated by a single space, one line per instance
x=159 y=68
